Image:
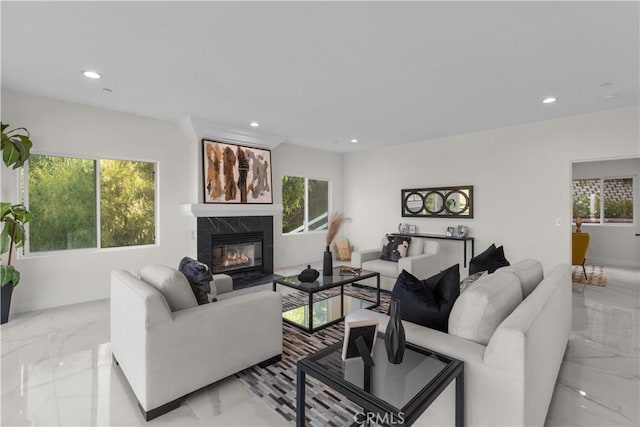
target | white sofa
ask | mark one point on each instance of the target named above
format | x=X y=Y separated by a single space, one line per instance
x=422 y=260
x=169 y=346
x=511 y=355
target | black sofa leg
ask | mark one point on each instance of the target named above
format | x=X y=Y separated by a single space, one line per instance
x=115 y=360
x=270 y=361
x=584 y=270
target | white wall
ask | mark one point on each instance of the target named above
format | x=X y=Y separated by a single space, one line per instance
x=292 y=160
x=612 y=244
x=521 y=177
x=72 y=129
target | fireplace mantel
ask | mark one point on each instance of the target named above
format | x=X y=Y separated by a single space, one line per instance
x=232 y=209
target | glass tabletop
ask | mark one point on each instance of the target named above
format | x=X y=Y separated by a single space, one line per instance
x=325 y=282
x=395 y=384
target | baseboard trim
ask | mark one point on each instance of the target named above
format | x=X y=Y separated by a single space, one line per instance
x=17 y=307
x=613 y=262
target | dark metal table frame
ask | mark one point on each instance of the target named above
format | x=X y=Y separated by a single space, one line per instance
x=313 y=289
x=372 y=404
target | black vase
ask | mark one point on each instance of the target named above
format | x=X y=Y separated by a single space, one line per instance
x=327 y=264
x=5 y=295
x=394 y=339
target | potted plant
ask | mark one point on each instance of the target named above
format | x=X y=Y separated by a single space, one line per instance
x=16 y=148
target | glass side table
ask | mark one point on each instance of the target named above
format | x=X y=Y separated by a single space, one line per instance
x=394 y=395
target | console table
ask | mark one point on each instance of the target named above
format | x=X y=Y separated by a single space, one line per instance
x=464 y=241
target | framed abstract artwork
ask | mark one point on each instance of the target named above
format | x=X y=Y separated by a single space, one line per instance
x=236 y=173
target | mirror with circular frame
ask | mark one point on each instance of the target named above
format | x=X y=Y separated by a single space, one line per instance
x=434 y=202
x=414 y=203
x=450 y=202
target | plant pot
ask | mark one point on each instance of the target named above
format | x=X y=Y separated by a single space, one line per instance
x=5 y=296
x=327 y=264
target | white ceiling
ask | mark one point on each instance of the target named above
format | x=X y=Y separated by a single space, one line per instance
x=318 y=72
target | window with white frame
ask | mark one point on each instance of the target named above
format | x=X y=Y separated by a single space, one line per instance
x=305 y=204
x=604 y=200
x=82 y=203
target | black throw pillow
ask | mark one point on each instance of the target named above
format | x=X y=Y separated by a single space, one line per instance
x=428 y=302
x=497 y=260
x=490 y=260
x=476 y=263
x=416 y=301
x=199 y=278
x=445 y=286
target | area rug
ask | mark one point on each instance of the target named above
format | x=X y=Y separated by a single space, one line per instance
x=276 y=384
x=596 y=275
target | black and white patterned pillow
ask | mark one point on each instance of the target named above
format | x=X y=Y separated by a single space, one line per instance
x=394 y=247
x=468 y=281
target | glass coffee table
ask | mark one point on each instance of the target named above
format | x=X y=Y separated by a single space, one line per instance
x=328 y=308
x=389 y=394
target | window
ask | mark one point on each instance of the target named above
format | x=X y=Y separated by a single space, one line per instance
x=618 y=200
x=586 y=200
x=88 y=203
x=603 y=200
x=305 y=204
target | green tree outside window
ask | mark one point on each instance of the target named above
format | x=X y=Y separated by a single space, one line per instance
x=63 y=197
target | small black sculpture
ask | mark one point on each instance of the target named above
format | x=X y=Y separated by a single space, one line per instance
x=308 y=274
x=394 y=336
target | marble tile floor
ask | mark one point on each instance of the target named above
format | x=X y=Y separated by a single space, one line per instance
x=599 y=381
x=56 y=369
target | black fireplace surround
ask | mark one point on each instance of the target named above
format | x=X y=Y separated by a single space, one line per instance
x=209 y=228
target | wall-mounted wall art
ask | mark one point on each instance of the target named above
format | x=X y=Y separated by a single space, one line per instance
x=438 y=202
x=235 y=173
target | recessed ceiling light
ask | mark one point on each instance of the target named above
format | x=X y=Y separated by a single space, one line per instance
x=91 y=74
x=582 y=393
x=107 y=90
x=354 y=141
x=254 y=124
x=549 y=100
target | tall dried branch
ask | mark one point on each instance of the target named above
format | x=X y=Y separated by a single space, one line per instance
x=335 y=222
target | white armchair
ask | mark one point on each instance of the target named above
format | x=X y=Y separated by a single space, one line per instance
x=167 y=354
x=422 y=260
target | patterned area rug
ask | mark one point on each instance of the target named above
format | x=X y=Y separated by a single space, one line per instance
x=596 y=275
x=276 y=384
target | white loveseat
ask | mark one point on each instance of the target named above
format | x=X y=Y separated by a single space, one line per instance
x=511 y=355
x=422 y=260
x=169 y=346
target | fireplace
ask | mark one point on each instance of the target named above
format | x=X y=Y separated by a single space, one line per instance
x=236 y=252
x=237 y=246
